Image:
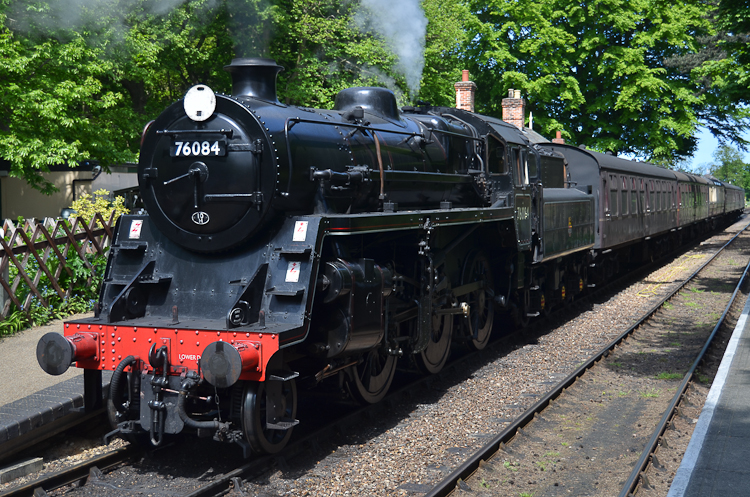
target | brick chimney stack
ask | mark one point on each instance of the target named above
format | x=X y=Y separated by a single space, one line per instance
x=514 y=108
x=465 y=91
x=558 y=139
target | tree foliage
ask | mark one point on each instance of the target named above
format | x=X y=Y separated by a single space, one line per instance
x=596 y=71
x=58 y=102
x=629 y=76
x=729 y=166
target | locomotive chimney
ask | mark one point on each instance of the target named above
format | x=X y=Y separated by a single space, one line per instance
x=558 y=139
x=465 y=90
x=514 y=108
x=254 y=77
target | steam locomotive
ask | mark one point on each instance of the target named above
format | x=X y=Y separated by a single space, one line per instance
x=285 y=244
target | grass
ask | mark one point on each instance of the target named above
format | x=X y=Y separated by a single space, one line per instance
x=703 y=378
x=509 y=465
x=668 y=305
x=691 y=304
x=669 y=376
x=696 y=290
x=651 y=393
x=675 y=344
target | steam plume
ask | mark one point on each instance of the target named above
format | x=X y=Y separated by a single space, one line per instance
x=403 y=26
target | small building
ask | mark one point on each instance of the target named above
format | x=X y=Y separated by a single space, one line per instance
x=17 y=198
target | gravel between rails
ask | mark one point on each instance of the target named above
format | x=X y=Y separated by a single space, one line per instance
x=588 y=441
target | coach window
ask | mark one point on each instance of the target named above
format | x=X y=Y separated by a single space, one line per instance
x=624 y=196
x=633 y=197
x=613 y=194
x=495 y=156
x=658 y=195
x=642 y=191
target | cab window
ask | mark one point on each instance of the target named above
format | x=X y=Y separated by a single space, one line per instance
x=496 y=156
x=520 y=169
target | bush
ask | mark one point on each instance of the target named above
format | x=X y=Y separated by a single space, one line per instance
x=87 y=208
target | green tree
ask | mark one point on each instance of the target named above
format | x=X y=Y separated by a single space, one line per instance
x=729 y=166
x=448 y=32
x=595 y=71
x=58 y=104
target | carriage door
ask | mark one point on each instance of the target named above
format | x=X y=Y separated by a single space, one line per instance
x=523 y=196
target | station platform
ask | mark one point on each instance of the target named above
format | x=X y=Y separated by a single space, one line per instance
x=33 y=403
x=716 y=460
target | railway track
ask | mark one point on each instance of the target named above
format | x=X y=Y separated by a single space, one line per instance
x=74 y=475
x=521 y=438
x=231 y=478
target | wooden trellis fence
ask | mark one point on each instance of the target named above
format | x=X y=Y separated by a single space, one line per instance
x=38 y=241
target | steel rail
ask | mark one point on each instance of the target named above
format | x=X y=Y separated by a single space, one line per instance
x=638 y=475
x=72 y=474
x=468 y=467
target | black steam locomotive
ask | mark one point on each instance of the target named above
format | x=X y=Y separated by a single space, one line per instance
x=287 y=244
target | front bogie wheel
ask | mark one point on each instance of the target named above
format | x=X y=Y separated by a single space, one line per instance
x=268 y=414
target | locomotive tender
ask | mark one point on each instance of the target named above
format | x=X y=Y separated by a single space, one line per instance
x=287 y=244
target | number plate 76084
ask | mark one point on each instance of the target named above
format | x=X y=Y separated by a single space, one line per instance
x=198 y=148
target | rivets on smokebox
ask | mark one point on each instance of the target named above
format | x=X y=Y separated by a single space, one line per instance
x=196 y=332
x=149 y=340
x=197 y=344
x=78 y=326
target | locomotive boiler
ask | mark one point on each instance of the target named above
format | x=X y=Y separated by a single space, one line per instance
x=288 y=245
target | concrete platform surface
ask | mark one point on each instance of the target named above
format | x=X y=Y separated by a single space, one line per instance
x=30 y=399
x=717 y=460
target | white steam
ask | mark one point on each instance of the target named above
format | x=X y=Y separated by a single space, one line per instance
x=403 y=26
x=75 y=14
